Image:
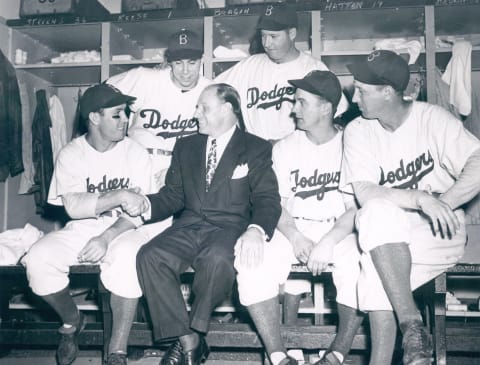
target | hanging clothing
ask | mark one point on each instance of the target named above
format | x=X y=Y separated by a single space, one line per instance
x=26 y=178
x=41 y=151
x=458 y=74
x=442 y=92
x=58 y=131
x=79 y=124
x=10 y=121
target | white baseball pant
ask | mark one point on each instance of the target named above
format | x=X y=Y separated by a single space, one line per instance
x=48 y=261
x=380 y=222
x=263 y=282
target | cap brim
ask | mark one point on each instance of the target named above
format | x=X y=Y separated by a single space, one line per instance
x=304 y=85
x=184 y=54
x=361 y=72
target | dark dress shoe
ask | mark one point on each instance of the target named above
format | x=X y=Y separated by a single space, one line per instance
x=173 y=355
x=198 y=354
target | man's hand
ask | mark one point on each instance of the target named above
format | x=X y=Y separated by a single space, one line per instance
x=94 y=250
x=133 y=203
x=320 y=256
x=302 y=246
x=442 y=217
x=249 y=247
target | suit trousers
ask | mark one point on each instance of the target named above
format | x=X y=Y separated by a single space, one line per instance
x=207 y=248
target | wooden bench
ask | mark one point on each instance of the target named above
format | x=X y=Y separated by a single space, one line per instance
x=232 y=335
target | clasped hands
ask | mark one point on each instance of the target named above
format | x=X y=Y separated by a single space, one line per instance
x=133 y=203
x=316 y=255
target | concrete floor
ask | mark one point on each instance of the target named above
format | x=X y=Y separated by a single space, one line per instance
x=91 y=358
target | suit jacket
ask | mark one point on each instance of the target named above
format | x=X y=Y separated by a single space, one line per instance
x=250 y=196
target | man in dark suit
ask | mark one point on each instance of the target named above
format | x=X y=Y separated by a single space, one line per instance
x=223 y=184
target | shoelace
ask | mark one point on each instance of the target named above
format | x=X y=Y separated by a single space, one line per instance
x=116 y=359
x=174 y=351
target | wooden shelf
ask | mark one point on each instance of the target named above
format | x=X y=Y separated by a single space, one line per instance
x=462 y=313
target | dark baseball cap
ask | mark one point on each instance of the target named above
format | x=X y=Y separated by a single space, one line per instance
x=184 y=44
x=102 y=96
x=382 y=67
x=321 y=83
x=277 y=18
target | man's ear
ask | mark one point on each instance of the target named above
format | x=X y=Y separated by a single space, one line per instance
x=292 y=33
x=228 y=105
x=388 y=92
x=94 y=117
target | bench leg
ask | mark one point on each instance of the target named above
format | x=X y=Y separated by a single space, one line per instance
x=104 y=298
x=319 y=303
x=439 y=322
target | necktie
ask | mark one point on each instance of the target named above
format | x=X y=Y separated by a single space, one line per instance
x=211 y=163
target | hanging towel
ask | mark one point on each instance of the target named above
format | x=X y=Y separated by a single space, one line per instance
x=26 y=178
x=458 y=75
x=58 y=131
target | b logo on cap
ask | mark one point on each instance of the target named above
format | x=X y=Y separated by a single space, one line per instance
x=182 y=39
x=373 y=55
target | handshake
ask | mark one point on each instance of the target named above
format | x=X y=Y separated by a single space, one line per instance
x=132 y=202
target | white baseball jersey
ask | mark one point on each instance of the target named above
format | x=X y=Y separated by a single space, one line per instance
x=308 y=176
x=162 y=112
x=82 y=169
x=267 y=97
x=427 y=152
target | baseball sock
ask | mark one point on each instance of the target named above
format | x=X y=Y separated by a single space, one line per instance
x=64 y=305
x=349 y=321
x=189 y=341
x=266 y=316
x=393 y=262
x=123 y=313
x=291 y=303
x=383 y=329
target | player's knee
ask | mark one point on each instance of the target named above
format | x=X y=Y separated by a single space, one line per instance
x=380 y=222
x=379 y=210
x=36 y=259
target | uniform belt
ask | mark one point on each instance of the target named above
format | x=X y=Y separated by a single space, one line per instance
x=323 y=220
x=159 y=151
x=111 y=213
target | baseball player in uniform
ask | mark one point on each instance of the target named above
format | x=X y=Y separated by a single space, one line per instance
x=411 y=166
x=91 y=174
x=165 y=99
x=262 y=79
x=315 y=227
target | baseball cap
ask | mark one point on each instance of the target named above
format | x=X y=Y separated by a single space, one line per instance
x=382 y=67
x=184 y=44
x=102 y=96
x=277 y=18
x=322 y=83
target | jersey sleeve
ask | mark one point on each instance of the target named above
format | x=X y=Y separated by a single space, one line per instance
x=454 y=142
x=141 y=168
x=233 y=76
x=359 y=162
x=281 y=169
x=67 y=177
x=131 y=83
